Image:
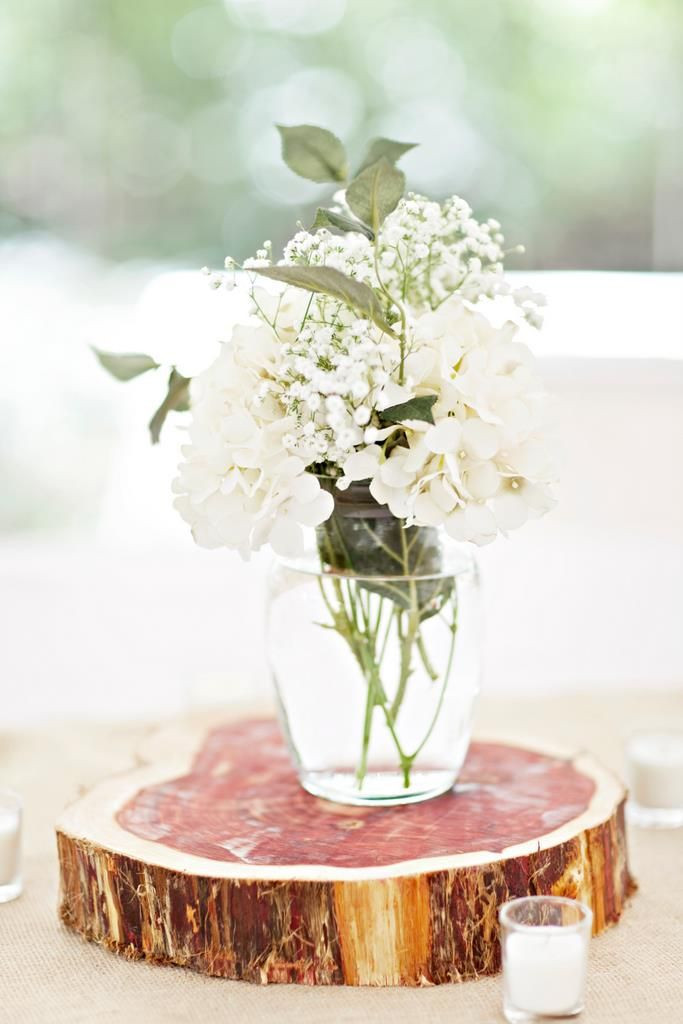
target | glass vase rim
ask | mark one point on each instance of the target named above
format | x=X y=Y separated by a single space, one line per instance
x=583 y=923
x=460 y=560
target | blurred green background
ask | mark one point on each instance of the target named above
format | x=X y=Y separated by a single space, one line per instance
x=142 y=129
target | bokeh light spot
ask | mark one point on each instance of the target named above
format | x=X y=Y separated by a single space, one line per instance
x=205 y=45
x=300 y=17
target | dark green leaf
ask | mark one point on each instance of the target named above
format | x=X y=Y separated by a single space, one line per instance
x=328 y=281
x=125 y=366
x=177 y=400
x=374 y=193
x=414 y=409
x=332 y=219
x=388 y=148
x=385 y=554
x=313 y=152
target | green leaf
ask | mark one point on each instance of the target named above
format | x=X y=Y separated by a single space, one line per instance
x=313 y=152
x=332 y=219
x=374 y=193
x=388 y=148
x=125 y=366
x=177 y=400
x=328 y=281
x=419 y=408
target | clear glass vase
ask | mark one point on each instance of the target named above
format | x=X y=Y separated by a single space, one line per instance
x=374 y=648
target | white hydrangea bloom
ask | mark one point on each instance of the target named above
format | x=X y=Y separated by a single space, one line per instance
x=238 y=486
x=485 y=465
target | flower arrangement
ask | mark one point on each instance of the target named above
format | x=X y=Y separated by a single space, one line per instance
x=379 y=389
x=374 y=362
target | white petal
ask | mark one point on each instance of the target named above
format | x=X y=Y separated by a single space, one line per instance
x=267 y=301
x=393 y=472
x=394 y=497
x=480 y=440
x=305 y=487
x=311 y=513
x=444 y=436
x=379 y=434
x=416 y=456
x=238 y=428
x=474 y=523
x=427 y=512
x=398 y=503
x=456 y=525
x=420 y=364
x=482 y=480
x=362 y=465
x=379 y=491
x=393 y=394
x=290 y=467
x=481 y=522
x=442 y=493
x=286 y=537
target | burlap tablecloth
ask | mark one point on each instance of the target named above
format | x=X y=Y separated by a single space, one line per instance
x=49 y=976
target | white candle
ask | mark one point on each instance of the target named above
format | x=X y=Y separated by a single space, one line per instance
x=545 y=957
x=655 y=770
x=10 y=827
x=545 y=970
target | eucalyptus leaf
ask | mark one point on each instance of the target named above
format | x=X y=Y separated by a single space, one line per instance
x=125 y=366
x=374 y=193
x=388 y=148
x=333 y=219
x=328 y=281
x=419 y=408
x=313 y=153
x=177 y=400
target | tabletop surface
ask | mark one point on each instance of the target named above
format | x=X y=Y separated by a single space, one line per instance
x=48 y=974
x=226 y=808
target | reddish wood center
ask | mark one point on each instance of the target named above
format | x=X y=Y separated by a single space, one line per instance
x=242 y=802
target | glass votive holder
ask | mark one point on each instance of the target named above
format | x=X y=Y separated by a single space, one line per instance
x=544 y=942
x=654 y=771
x=10 y=845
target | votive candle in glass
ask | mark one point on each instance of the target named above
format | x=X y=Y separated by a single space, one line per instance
x=654 y=770
x=10 y=845
x=545 y=958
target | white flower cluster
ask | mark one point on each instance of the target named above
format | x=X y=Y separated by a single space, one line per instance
x=429 y=251
x=330 y=378
x=484 y=466
x=238 y=486
x=304 y=385
x=333 y=370
x=352 y=253
x=426 y=252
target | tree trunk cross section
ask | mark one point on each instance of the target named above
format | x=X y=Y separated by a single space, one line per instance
x=222 y=863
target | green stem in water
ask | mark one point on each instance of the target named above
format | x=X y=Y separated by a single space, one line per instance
x=407 y=639
x=424 y=656
x=367 y=627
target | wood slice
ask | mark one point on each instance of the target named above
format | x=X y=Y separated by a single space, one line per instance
x=222 y=863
